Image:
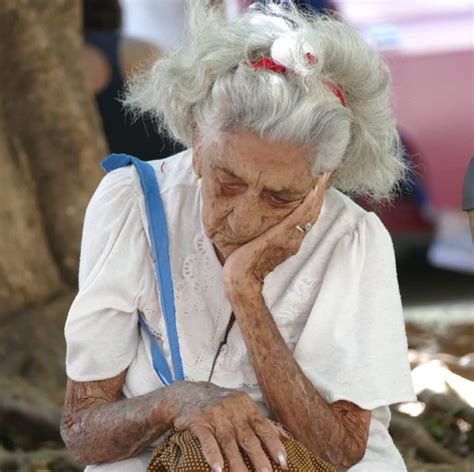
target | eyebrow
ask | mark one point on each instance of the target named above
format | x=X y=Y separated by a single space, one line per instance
x=284 y=191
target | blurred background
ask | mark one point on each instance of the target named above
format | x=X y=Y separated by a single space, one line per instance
x=62 y=71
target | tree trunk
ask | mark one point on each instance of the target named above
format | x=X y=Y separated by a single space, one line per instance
x=51 y=143
x=28 y=272
x=48 y=111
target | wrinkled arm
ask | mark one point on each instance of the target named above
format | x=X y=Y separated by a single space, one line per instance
x=99 y=425
x=336 y=432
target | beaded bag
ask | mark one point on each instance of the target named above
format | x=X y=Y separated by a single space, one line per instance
x=181 y=452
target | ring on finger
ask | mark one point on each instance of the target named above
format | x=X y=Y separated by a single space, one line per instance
x=305 y=229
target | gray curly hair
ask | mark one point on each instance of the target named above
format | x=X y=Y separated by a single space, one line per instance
x=210 y=81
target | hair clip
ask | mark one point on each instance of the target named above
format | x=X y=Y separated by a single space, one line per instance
x=268 y=63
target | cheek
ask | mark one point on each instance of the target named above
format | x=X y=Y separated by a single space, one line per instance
x=269 y=219
x=215 y=208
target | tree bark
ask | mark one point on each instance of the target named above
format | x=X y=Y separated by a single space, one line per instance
x=52 y=115
x=28 y=272
x=51 y=143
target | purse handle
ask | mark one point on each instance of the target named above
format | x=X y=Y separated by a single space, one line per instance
x=160 y=252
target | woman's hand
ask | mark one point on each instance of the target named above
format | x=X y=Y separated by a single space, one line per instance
x=224 y=420
x=253 y=261
x=99 y=425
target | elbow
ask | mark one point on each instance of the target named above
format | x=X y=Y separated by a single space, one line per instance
x=72 y=434
x=347 y=454
x=341 y=459
x=352 y=435
x=349 y=459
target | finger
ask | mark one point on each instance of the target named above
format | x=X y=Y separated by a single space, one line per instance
x=209 y=447
x=317 y=197
x=231 y=451
x=308 y=211
x=331 y=176
x=317 y=201
x=280 y=430
x=299 y=216
x=295 y=223
x=252 y=446
x=269 y=436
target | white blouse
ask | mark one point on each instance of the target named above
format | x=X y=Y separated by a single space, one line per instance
x=336 y=304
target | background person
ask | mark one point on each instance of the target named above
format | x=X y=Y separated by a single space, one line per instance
x=110 y=57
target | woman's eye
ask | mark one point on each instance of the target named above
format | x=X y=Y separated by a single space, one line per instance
x=278 y=200
x=230 y=187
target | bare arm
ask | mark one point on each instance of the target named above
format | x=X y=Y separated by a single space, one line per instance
x=99 y=425
x=335 y=432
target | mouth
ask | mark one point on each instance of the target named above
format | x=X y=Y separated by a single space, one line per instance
x=233 y=242
x=229 y=240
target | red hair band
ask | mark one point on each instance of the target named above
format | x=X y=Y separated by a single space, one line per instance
x=333 y=88
x=270 y=64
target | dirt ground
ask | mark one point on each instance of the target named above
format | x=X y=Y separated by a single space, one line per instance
x=439 y=304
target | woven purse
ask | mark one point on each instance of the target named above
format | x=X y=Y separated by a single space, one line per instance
x=181 y=450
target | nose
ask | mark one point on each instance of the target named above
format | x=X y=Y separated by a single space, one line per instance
x=247 y=217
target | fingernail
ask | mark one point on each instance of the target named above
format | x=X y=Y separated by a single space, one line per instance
x=216 y=467
x=265 y=470
x=282 y=460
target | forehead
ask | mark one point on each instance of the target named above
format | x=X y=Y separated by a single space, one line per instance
x=257 y=159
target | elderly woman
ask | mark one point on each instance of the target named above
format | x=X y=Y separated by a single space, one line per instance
x=286 y=114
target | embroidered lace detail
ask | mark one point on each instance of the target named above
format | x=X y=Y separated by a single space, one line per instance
x=196 y=274
x=292 y=313
x=201 y=324
x=298 y=301
x=192 y=288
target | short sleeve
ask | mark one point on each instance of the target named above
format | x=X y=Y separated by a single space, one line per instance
x=353 y=346
x=101 y=328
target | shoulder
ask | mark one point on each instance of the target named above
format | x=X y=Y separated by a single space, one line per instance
x=344 y=236
x=342 y=216
x=115 y=188
x=120 y=197
x=124 y=181
x=175 y=171
x=345 y=224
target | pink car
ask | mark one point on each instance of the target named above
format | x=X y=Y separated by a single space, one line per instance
x=429 y=47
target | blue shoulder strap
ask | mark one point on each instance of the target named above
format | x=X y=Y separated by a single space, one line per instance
x=160 y=252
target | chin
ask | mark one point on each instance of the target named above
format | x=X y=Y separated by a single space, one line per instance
x=223 y=244
x=225 y=249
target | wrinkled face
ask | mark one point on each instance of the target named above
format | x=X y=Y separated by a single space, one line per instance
x=248 y=185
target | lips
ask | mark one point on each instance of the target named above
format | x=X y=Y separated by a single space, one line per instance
x=228 y=240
